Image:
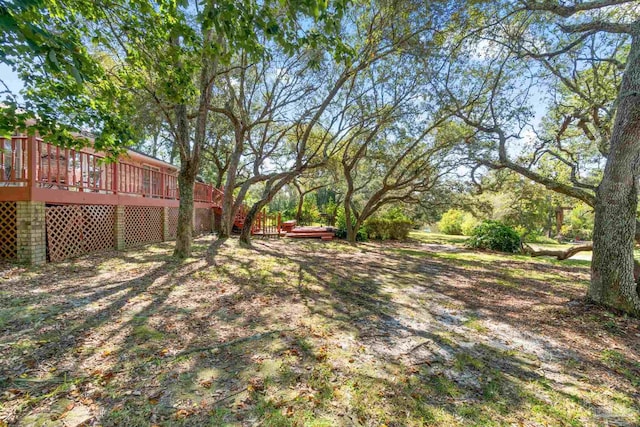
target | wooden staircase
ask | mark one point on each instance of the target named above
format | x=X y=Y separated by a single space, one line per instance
x=266 y=225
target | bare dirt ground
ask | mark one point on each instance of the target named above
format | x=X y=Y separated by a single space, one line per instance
x=310 y=333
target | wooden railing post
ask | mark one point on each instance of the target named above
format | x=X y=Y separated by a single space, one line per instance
x=279 y=223
x=163 y=189
x=32 y=158
x=115 y=180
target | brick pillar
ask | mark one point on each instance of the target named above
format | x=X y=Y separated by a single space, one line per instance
x=32 y=243
x=165 y=224
x=119 y=228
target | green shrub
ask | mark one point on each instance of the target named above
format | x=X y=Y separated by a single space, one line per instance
x=288 y=214
x=310 y=212
x=341 y=220
x=361 y=235
x=341 y=226
x=331 y=209
x=469 y=222
x=532 y=236
x=537 y=238
x=399 y=229
x=496 y=236
x=451 y=222
x=384 y=228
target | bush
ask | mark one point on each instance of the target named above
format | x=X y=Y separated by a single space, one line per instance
x=395 y=227
x=341 y=225
x=341 y=220
x=469 y=222
x=496 y=236
x=539 y=238
x=451 y=222
x=288 y=214
x=310 y=212
x=331 y=209
x=361 y=235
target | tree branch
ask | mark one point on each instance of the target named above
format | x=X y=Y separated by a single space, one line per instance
x=567 y=11
x=559 y=254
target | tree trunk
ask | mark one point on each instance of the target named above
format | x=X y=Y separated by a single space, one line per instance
x=186 y=181
x=227 y=217
x=228 y=211
x=299 y=211
x=269 y=191
x=184 y=235
x=559 y=220
x=612 y=280
x=301 y=195
x=245 y=233
x=190 y=155
x=354 y=230
x=351 y=235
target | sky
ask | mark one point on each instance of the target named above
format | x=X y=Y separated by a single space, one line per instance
x=10 y=78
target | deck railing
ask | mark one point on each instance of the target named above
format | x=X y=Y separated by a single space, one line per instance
x=29 y=161
x=268 y=224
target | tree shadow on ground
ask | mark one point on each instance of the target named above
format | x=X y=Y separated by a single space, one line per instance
x=293 y=333
x=468 y=300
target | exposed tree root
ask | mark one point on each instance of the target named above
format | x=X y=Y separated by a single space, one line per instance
x=559 y=254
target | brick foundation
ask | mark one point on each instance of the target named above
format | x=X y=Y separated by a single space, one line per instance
x=31 y=232
x=119 y=228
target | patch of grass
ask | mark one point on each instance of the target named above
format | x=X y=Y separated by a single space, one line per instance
x=220 y=417
x=54 y=387
x=618 y=362
x=129 y=414
x=465 y=360
x=272 y=415
x=474 y=322
x=144 y=333
x=437 y=238
x=440 y=385
x=556 y=409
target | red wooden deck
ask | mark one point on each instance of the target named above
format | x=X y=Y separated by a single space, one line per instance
x=32 y=169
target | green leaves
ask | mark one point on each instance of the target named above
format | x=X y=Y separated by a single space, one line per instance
x=84 y=63
x=495 y=236
x=63 y=93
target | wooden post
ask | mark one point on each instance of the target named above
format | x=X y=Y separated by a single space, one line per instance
x=32 y=158
x=279 y=227
x=81 y=189
x=67 y=181
x=163 y=190
x=115 y=180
